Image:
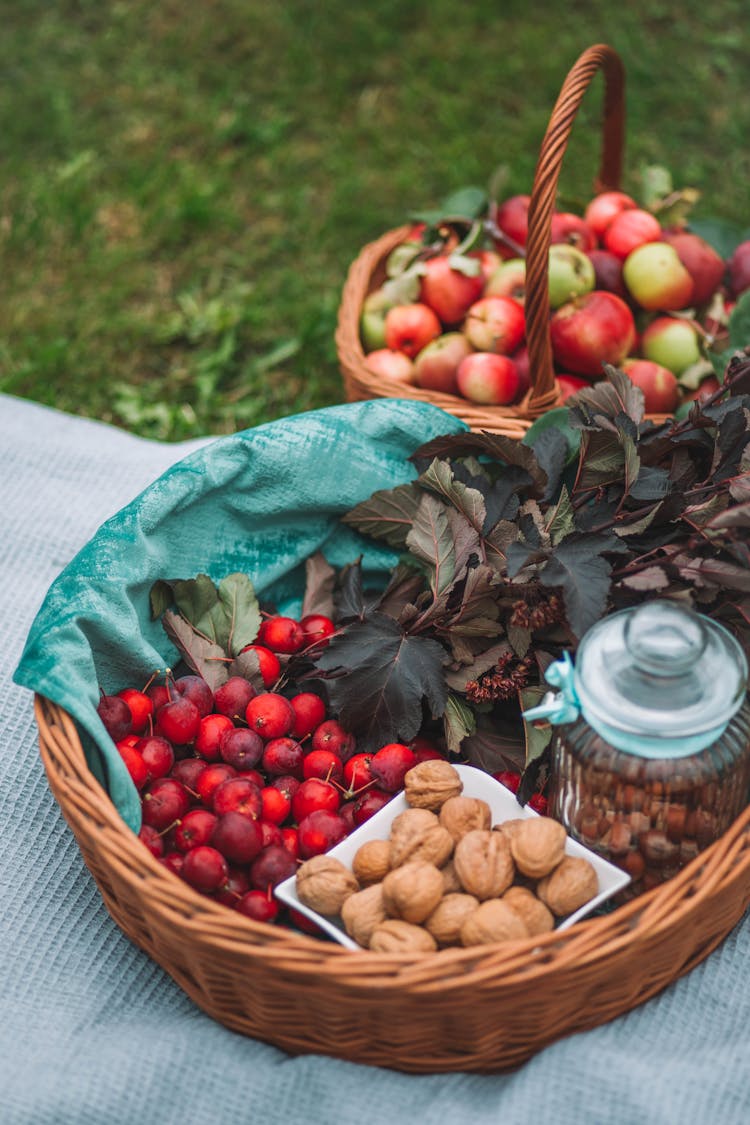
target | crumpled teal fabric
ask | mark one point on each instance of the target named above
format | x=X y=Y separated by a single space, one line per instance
x=260 y=502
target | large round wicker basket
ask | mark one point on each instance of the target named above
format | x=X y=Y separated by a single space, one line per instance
x=485 y=1009
x=368 y=270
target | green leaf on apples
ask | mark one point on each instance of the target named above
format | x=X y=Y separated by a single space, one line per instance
x=467 y=204
x=557 y=419
x=739 y=322
x=719 y=233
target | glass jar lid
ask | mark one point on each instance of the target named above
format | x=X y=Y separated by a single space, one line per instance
x=661 y=671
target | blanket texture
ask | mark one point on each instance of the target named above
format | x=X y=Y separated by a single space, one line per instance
x=95 y=1033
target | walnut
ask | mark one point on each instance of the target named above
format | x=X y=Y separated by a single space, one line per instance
x=492 y=921
x=362 y=912
x=429 y=784
x=371 y=862
x=451 y=881
x=461 y=814
x=509 y=828
x=396 y=936
x=412 y=891
x=538 y=845
x=537 y=918
x=448 y=917
x=324 y=884
x=483 y=863
x=411 y=822
x=433 y=845
x=573 y=883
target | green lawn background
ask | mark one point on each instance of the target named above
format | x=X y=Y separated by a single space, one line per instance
x=184 y=185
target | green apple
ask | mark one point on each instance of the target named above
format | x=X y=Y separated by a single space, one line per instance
x=372 y=319
x=571 y=274
x=656 y=278
x=672 y=342
x=508 y=280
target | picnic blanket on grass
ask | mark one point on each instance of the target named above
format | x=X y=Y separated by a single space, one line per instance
x=93 y=1032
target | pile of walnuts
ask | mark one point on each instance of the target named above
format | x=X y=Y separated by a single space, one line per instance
x=447 y=877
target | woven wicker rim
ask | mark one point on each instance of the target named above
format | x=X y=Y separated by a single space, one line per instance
x=503 y=1002
x=367 y=271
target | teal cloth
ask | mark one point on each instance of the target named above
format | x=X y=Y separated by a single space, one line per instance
x=258 y=502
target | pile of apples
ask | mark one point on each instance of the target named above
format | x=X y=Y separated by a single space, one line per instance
x=623 y=290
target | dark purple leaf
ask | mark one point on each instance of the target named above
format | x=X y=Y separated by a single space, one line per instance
x=499 y=448
x=388 y=514
x=202 y=656
x=320 y=578
x=578 y=568
x=379 y=678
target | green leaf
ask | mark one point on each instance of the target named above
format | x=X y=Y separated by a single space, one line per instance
x=388 y=514
x=719 y=233
x=237 y=597
x=537 y=735
x=160 y=598
x=739 y=322
x=558 y=419
x=459 y=722
x=197 y=599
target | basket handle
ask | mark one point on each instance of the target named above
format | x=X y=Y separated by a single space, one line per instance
x=543 y=392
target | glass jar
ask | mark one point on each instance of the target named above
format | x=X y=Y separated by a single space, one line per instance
x=652 y=761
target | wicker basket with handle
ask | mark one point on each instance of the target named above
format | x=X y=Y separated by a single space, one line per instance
x=367 y=272
x=482 y=1009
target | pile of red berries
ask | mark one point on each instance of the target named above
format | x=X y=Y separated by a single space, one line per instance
x=237 y=786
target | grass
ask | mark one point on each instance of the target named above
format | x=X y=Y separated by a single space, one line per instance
x=185 y=186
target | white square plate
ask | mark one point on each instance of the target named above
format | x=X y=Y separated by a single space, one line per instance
x=504 y=806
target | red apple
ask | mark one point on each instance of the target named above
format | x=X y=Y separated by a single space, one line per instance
x=608 y=272
x=512 y=219
x=630 y=229
x=572 y=230
x=704 y=265
x=656 y=278
x=409 y=327
x=705 y=389
x=661 y=391
x=569 y=384
x=594 y=329
x=508 y=280
x=391 y=365
x=489 y=261
x=495 y=324
x=487 y=378
x=447 y=291
x=672 y=342
x=436 y=365
x=603 y=207
x=739 y=269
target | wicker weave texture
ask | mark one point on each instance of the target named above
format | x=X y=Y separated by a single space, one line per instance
x=486 y=1009
x=367 y=271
